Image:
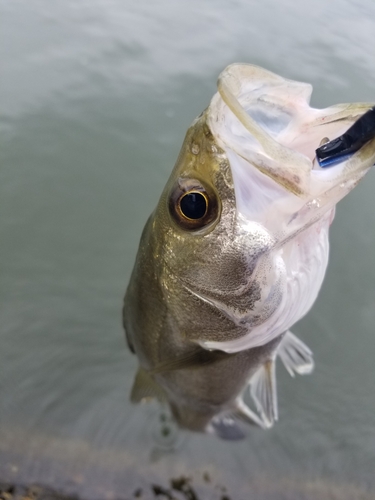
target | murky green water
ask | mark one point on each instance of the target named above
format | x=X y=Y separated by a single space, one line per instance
x=96 y=97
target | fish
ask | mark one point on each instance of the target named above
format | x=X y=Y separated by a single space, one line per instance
x=236 y=251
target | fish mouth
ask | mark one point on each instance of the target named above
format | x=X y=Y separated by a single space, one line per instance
x=270 y=134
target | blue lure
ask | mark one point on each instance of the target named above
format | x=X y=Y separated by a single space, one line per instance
x=339 y=149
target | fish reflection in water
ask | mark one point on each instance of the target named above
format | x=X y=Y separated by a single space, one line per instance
x=236 y=251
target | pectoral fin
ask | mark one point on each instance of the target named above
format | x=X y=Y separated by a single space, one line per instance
x=263 y=391
x=229 y=425
x=244 y=413
x=145 y=388
x=295 y=355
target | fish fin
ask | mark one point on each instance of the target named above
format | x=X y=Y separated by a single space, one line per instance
x=196 y=358
x=243 y=412
x=295 y=355
x=263 y=391
x=228 y=425
x=145 y=388
x=225 y=427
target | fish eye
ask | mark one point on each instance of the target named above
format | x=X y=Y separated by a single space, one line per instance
x=193 y=205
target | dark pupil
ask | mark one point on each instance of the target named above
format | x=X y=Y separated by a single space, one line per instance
x=193 y=205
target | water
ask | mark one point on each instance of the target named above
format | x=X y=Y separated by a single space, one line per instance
x=95 y=101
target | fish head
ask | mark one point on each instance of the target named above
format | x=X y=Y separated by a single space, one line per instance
x=246 y=185
x=199 y=237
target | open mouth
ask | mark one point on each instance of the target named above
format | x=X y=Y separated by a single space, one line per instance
x=266 y=119
x=287 y=157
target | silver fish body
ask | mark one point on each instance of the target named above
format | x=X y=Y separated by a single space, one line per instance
x=236 y=251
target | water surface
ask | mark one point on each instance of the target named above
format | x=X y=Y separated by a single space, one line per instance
x=95 y=101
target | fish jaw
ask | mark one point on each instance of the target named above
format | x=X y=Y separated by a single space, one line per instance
x=269 y=132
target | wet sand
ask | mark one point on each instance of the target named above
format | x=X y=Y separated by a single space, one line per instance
x=39 y=466
x=182 y=489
